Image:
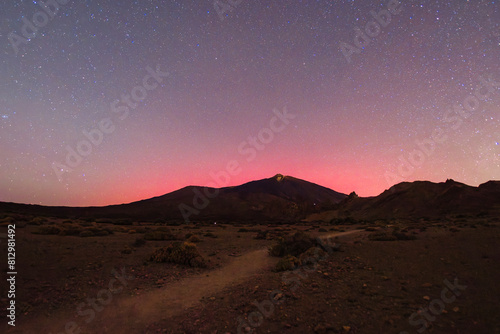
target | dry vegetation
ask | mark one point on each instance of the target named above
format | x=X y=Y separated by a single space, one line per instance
x=184 y=253
x=372 y=285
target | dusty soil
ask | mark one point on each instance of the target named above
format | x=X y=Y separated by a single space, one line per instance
x=63 y=283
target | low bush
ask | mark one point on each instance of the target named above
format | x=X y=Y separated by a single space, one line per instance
x=37 y=221
x=101 y=233
x=288 y=262
x=179 y=253
x=395 y=235
x=48 y=230
x=344 y=221
x=126 y=250
x=71 y=229
x=159 y=235
x=105 y=221
x=382 y=236
x=262 y=235
x=121 y=222
x=7 y=220
x=194 y=239
x=404 y=236
x=86 y=233
x=312 y=255
x=295 y=245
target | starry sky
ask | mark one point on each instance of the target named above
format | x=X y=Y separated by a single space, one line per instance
x=108 y=102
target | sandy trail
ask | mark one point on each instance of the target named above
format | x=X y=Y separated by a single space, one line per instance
x=132 y=314
x=339 y=234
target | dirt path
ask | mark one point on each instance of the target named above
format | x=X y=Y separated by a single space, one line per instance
x=133 y=314
x=339 y=234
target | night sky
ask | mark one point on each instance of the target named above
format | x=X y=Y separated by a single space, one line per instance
x=151 y=96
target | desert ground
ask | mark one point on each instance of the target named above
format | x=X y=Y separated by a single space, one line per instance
x=83 y=276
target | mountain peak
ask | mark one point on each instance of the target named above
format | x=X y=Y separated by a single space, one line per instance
x=279 y=177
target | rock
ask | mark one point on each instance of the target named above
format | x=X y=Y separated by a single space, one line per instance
x=323 y=328
x=278 y=296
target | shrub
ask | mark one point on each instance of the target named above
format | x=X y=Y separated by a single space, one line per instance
x=86 y=233
x=101 y=233
x=343 y=221
x=48 y=230
x=126 y=250
x=119 y=229
x=382 y=236
x=120 y=222
x=404 y=236
x=141 y=229
x=386 y=236
x=210 y=235
x=7 y=220
x=194 y=239
x=38 y=221
x=179 y=253
x=110 y=229
x=159 y=235
x=312 y=255
x=71 y=229
x=105 y=221
x=288 y=262
x=295 y=245
x=261 y=235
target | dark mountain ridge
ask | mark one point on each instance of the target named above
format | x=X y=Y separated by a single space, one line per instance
x=276 y=198
x=421 y=199
x=285 y=198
